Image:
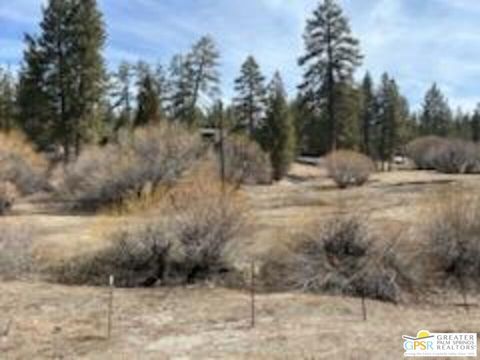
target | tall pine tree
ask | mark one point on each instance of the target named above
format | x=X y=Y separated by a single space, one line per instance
x=148 y=104
x=436 y=116
x=332 y=55
x=277 y=134
x=475 y=124
x=389 y=119
x=250 y=96
x=8 y=112
x=203 y=62
x=368 y=112
x=64 y=68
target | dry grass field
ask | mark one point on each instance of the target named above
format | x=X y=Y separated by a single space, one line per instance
x=39 y=320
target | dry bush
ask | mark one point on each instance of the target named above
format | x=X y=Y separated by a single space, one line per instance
x=246 y=162
x=422 y=151
x=21 y=165
x=8 y=195
x=152 y=157
x=348 y=168
x=451 y=239
x=15 y=251
x=452 y=156
x=206 y=219
x=189 y=240
x=338 y=257
x=136 y=256
x=457 y=157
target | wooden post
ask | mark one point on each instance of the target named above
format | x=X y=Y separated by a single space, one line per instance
x=364 y=307
x=222 y=148
x=252 y=294
x=110 y=306
x=464 y=296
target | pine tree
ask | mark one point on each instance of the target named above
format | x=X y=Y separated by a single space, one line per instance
x=389 y=119
x=180 y=89
x=203 y=61
x=148 y=104
x=123 y=95
x=64 y=67
x=277 y=134
x=8 y=111
x=368 y=113
x=436 y=116
x=347 y=107
x=250 y=96
x=475 y=125
x=332 y=55
x=88 y=38
x=37 y=115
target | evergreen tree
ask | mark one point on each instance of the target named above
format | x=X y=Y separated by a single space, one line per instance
x=37 y=114
x=88 y=38
x=347 y=107
x=475 y=125
x=180 y=89
x=162 y=88
x=148 y=105
x=251 y=94
x=461 y=125
x=8 y=111
x=277 y=134
x=367 y=116
x=436 y=116
x=332 y=55
x=123 y=94
x=203 y=61
x=64 y=67
x=389 y=119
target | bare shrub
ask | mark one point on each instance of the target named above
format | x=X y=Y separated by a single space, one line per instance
x=423 y=151
x=15 y=251
x=246 y=162
x=8 y=195
x=339 y=257
x=206 y=220
x=457 y=157
x=153 y=156
x=21 y=165
x=136 y=256
x=188 y=241
x=348 y=168
x=452 y=239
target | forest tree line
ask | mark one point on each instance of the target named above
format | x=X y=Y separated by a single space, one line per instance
x=64 y=94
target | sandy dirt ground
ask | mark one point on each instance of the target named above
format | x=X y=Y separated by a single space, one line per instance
x=46 y=321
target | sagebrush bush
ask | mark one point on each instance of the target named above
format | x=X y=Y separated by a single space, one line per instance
x=8 y=195
x=16 y=258
x=451 y=238
x=456 y=156
x=246 y=162
x=422 y=151
x=153 y=156
x=187 y=241
x=21 y=165
x=206 y=220
x=136 y=256
x=338 y=257
x=349 y=168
